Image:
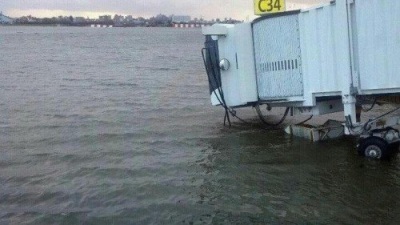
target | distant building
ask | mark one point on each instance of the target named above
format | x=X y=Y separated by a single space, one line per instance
x=118 y=19
x=5 y=19
x=129 y=18
x=79 y=20
x=138 y=22
x=105 y=18
x=180 y=19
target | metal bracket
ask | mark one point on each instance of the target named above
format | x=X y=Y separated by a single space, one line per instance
x=353 y=90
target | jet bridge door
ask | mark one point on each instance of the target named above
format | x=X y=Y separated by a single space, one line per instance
x=278 y=56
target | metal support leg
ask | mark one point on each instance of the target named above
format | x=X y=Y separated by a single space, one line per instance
x=349 y=103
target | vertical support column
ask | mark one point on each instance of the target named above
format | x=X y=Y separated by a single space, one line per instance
x=348 y=90
x=349 y=103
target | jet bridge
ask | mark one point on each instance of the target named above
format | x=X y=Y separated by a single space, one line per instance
x=314 y=61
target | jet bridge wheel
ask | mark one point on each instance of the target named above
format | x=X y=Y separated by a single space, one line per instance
x=374 y=147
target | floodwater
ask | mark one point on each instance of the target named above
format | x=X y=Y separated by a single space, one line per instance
x=115 y=126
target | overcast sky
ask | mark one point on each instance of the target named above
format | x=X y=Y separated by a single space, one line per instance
x=238 y=9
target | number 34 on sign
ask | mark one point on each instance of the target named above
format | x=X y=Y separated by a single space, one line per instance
x=268 y=6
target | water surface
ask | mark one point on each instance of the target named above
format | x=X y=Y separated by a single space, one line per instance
x=114 y=126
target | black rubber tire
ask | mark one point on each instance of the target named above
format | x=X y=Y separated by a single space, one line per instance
x=374 y=147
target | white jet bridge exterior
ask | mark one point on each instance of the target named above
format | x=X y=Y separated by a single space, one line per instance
x=315 y=61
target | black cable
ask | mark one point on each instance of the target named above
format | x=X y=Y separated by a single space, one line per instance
x=373 y=105
x=305 y=120
x=267 y=123
x=221 y=94
x=220 y=98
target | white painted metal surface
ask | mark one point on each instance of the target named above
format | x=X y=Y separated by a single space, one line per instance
x=330 y=130
x=239 y=84
x=377 y=27
x=320 y=108
x=277 y=57
x=216 y=30
x=325 y=52
x=347 y=48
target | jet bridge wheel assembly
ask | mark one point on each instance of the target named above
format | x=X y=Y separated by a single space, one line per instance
x=376 y=147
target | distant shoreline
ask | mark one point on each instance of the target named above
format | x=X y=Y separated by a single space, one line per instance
x=89 y=26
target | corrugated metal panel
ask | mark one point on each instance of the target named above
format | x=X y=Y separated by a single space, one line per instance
x=324 y=50
x=277 y=57
x=378 y=29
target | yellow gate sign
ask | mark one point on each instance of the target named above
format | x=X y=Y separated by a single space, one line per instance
x=269 y=6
